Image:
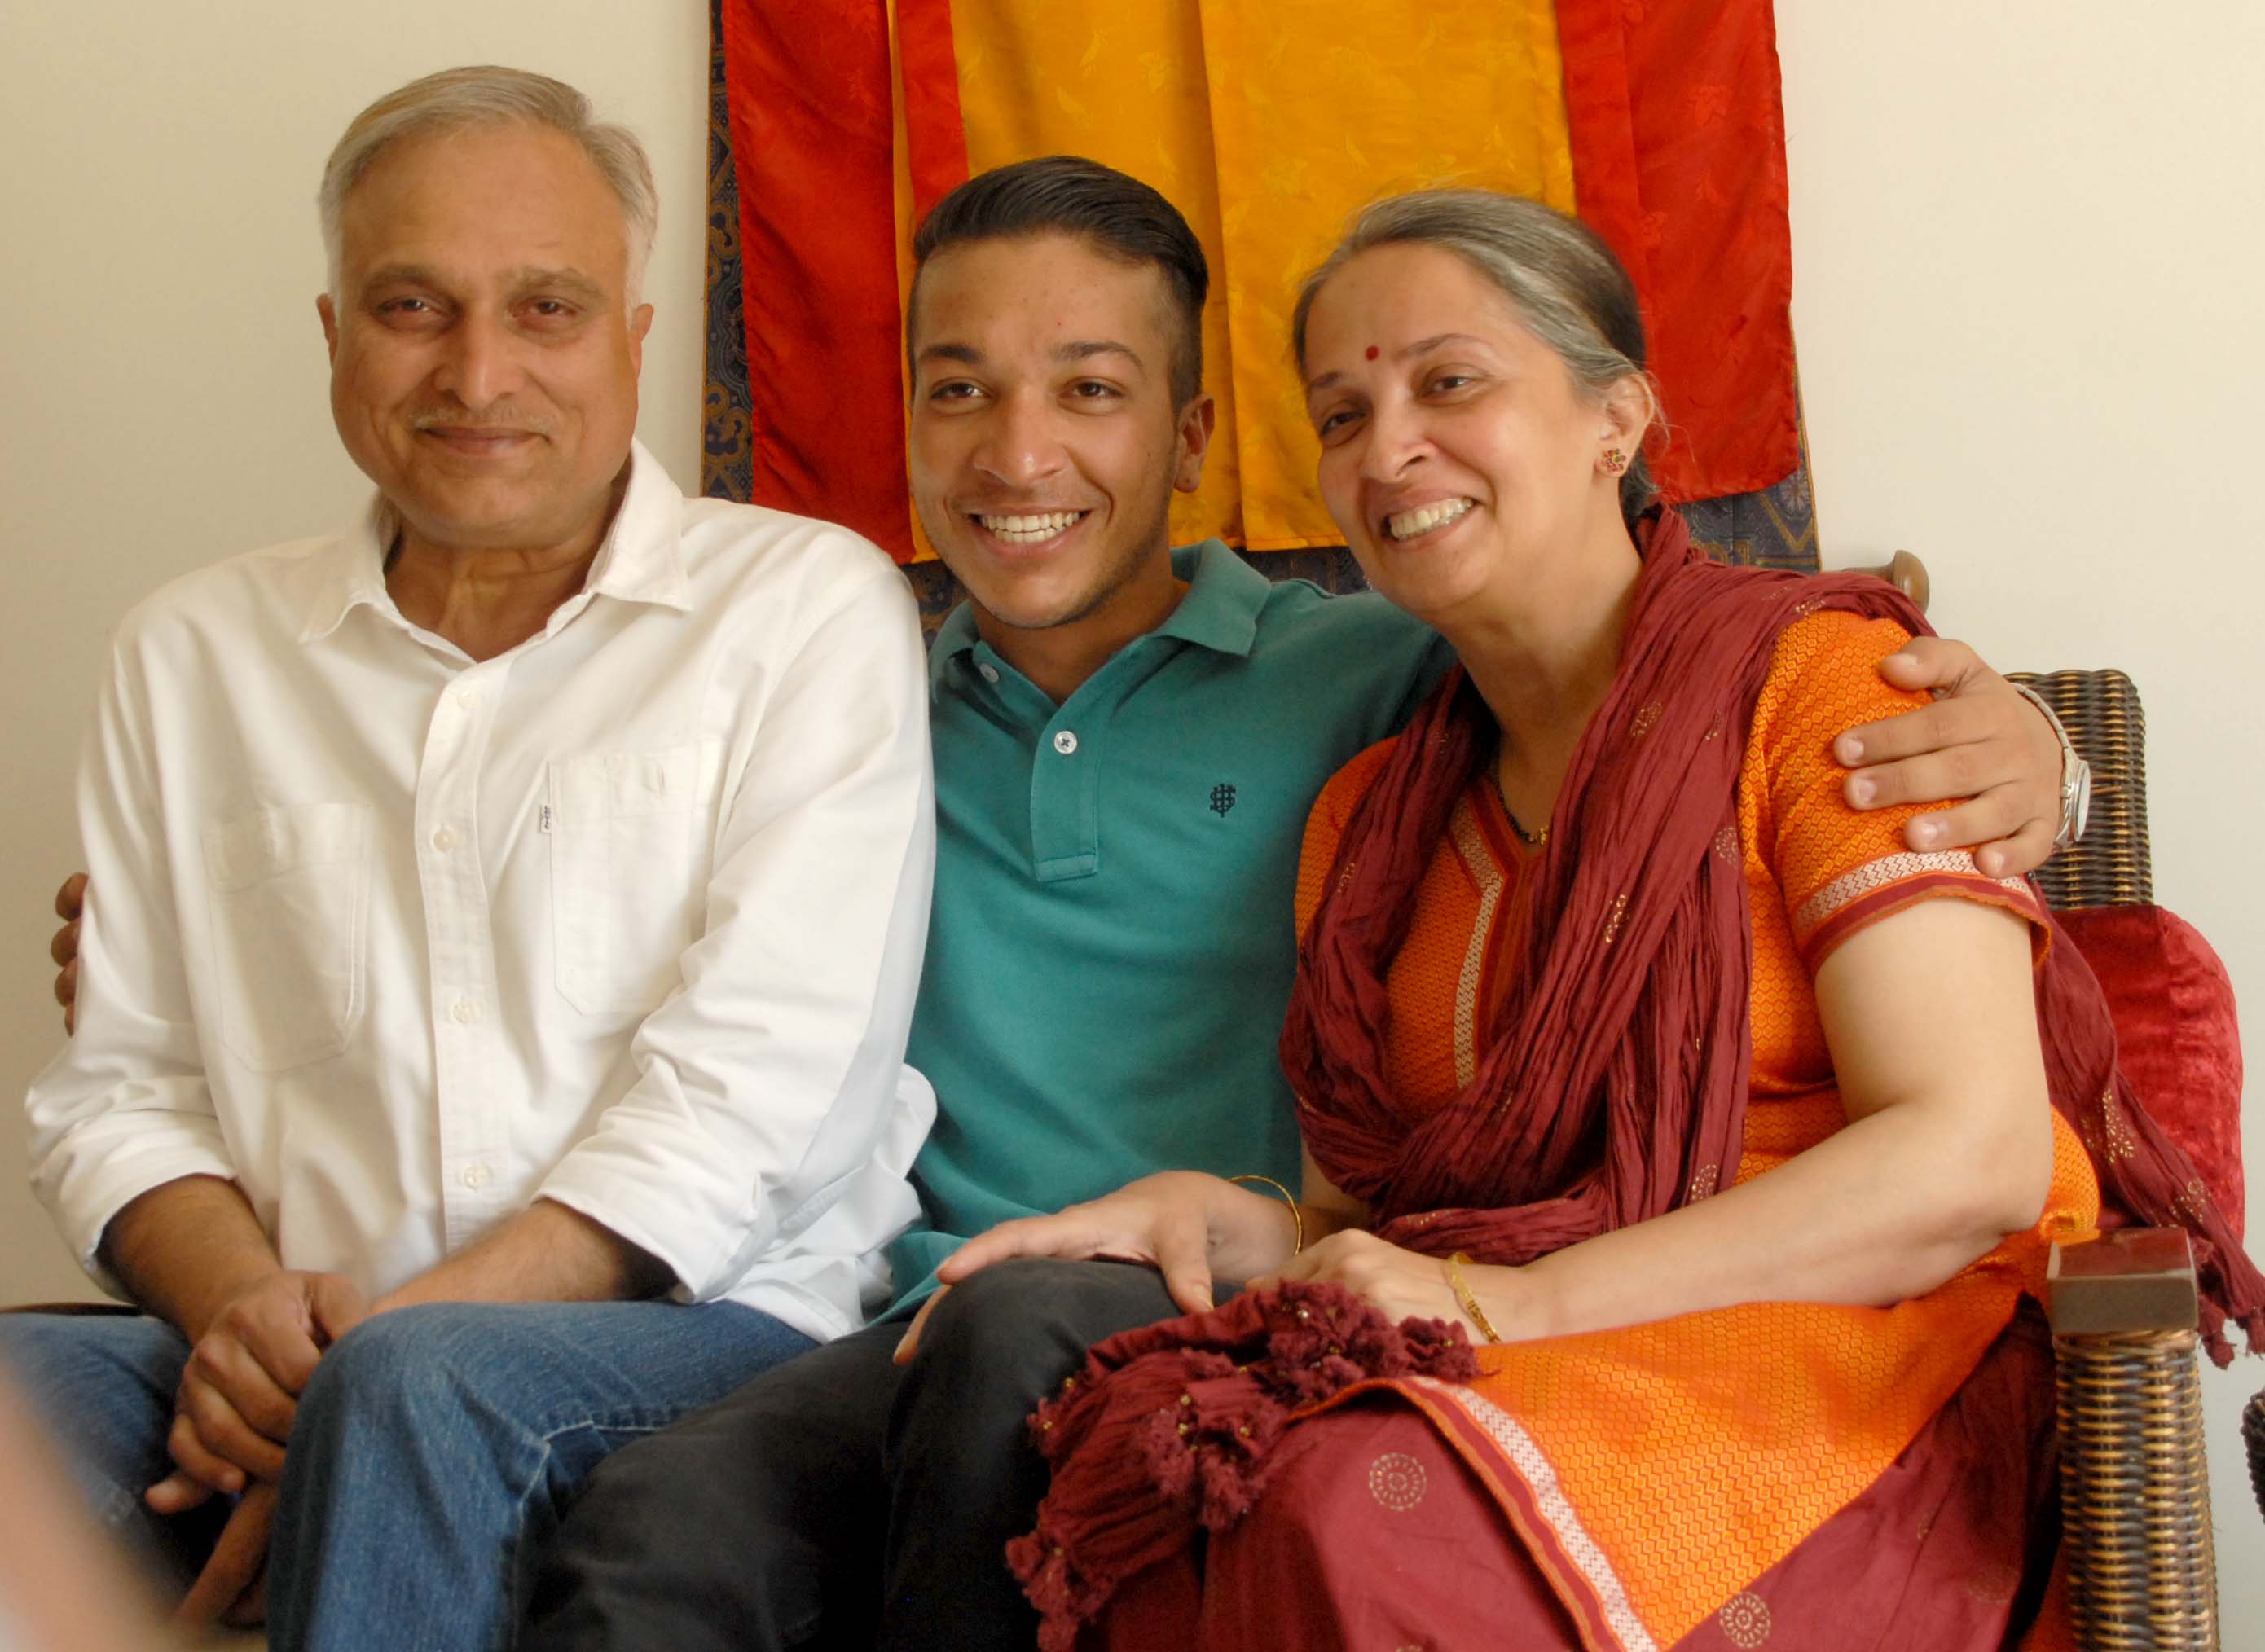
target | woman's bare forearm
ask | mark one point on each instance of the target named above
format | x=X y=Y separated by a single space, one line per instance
x=1840 y=1223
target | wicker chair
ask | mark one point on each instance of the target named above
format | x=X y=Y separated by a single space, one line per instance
x=2253 y=1432
x=2134 y=1487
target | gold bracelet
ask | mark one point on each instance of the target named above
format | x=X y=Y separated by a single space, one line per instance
x=1472 y=1311
x=1297 y=1219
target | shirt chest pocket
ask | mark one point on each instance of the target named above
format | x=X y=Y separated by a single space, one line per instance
x=289 y=891
x=632 y=836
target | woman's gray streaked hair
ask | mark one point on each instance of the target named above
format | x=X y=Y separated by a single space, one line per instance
x=484 y=95
x=1564 y=281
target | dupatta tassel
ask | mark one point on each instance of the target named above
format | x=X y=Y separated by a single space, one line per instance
x=1172 y=1427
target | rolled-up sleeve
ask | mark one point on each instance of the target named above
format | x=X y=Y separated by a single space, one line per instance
x=772 y=1080
x=125 y=1106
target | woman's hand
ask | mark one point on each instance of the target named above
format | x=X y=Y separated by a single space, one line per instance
x=1190 y=1226
x=1403 y=1283
x=1169 y=1221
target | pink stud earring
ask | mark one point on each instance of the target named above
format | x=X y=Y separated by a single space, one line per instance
x=1615 y=462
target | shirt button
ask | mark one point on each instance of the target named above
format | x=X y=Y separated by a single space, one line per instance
x=465 y=1010
x=444 y=840
x=468 y=699
x=1064 y=742
x=989 y=673
x=476 y=1177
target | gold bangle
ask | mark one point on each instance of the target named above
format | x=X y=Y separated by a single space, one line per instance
x=1296 y=1218
x=1472 y=1311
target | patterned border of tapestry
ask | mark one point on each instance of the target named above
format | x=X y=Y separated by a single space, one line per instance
x=834 y=124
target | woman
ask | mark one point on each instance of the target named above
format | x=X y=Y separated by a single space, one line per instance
x=1719 y=1120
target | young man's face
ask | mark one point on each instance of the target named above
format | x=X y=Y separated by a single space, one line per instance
x=1044 y=444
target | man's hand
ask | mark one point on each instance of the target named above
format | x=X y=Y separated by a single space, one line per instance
x=240 y=1388
x=71 y=903
x=1979 y=742
x=232 y=1588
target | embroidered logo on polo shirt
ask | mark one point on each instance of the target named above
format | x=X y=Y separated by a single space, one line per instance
x=1223 y=799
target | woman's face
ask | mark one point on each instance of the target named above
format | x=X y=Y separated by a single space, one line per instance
x=1459 y=457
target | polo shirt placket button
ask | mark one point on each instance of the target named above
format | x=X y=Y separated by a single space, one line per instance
x=1064 y=742
x=989 y=673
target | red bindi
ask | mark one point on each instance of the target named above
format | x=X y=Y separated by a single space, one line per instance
x=1372 y=352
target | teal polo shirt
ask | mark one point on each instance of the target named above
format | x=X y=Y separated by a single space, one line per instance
x=1113 y=940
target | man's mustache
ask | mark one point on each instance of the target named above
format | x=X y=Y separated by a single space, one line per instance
x=502 y=418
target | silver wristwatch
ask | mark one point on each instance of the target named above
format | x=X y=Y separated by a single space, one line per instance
x=2075 y=774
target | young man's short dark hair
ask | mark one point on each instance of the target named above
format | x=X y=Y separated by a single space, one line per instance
x=1067 y=194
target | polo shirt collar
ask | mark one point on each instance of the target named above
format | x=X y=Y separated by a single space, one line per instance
x=1225 y=595
x=641 y=559
x=955 y=640
x=1220 y=612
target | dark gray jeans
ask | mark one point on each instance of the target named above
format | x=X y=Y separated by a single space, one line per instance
x=838 y=1501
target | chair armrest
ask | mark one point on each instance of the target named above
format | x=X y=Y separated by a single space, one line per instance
x=1905 y=571
x=2134 y=1485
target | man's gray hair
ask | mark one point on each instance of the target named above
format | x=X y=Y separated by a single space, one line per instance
x=484 y=95
x=1564 y=282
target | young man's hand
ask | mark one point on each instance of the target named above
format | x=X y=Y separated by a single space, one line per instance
x=1980 y=744
x=71 y=903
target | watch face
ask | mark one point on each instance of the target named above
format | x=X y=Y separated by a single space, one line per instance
x=2083 y=801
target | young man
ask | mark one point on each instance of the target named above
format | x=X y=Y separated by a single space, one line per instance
x=1127 y=738
x=502 y=911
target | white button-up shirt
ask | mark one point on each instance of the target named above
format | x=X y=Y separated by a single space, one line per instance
x=629 y=917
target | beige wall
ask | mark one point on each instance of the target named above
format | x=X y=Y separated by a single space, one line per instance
x=2025 y=242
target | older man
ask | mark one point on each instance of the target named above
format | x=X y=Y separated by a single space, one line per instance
x=505 y=925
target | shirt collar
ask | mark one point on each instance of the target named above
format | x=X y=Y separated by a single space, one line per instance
x=955 y=638
x=349 y=573
x=1225 y=595
x=643 y=557
x=1220 y=611
x=640 y=560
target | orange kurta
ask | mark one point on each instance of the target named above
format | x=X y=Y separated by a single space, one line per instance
x=1679 y=1460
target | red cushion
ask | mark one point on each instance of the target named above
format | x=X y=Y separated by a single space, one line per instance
x=2173 y=1004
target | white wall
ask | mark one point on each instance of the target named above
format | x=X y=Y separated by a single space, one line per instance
x=2025 y=243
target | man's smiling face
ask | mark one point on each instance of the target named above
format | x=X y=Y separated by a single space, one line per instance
x=1045 y=443
x=483 y=357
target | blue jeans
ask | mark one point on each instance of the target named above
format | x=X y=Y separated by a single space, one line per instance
x=432 y=1455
